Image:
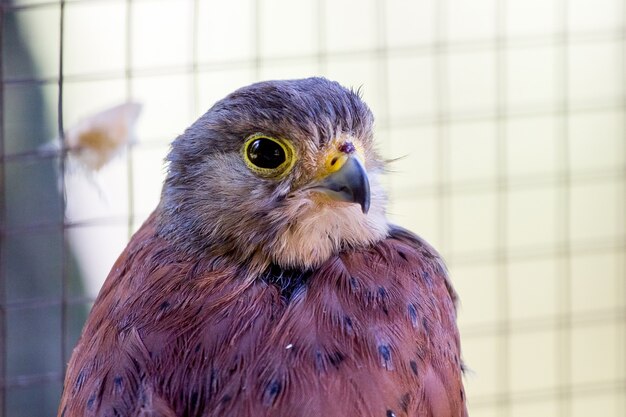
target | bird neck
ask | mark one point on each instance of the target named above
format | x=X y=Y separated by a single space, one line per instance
x=299 y=233
x=314 y=236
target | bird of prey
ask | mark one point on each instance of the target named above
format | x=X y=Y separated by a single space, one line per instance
x=268 y=281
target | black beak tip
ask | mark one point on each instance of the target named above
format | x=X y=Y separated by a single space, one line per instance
x=365 y=206
x=359 y=184
x=363 y=197
x=349 y=184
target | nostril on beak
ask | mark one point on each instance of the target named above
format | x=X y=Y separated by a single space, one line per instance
x=334 y=161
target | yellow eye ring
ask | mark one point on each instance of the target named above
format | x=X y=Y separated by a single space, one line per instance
x=268 y=156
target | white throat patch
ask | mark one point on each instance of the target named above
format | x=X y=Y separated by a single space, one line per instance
x=321 y=230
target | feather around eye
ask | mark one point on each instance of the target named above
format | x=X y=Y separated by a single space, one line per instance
x=267 y=156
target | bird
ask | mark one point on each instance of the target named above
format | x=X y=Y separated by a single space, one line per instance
x=268 y=280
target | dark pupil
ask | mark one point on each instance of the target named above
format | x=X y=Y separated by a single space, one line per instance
x=266 y=153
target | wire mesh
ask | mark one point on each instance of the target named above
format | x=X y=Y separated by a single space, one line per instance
x=515 y=168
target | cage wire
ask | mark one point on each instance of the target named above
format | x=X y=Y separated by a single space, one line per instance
x=515 y=169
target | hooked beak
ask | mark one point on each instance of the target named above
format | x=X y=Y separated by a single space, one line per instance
x=349 y=184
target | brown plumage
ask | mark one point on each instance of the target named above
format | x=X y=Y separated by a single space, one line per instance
x=198 y=320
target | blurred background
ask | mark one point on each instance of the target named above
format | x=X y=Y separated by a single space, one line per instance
x=510 y=116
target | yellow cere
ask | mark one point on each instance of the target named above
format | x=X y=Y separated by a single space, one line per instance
x=334 y=159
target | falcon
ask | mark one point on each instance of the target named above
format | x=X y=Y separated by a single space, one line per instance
x=268 y=281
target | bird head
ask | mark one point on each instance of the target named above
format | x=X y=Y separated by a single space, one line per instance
x=281 y=172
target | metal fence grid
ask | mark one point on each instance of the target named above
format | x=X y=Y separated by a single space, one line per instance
x=543 y=315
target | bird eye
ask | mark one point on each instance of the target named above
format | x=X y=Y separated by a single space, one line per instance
x=265 y=153
x=268 y=156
